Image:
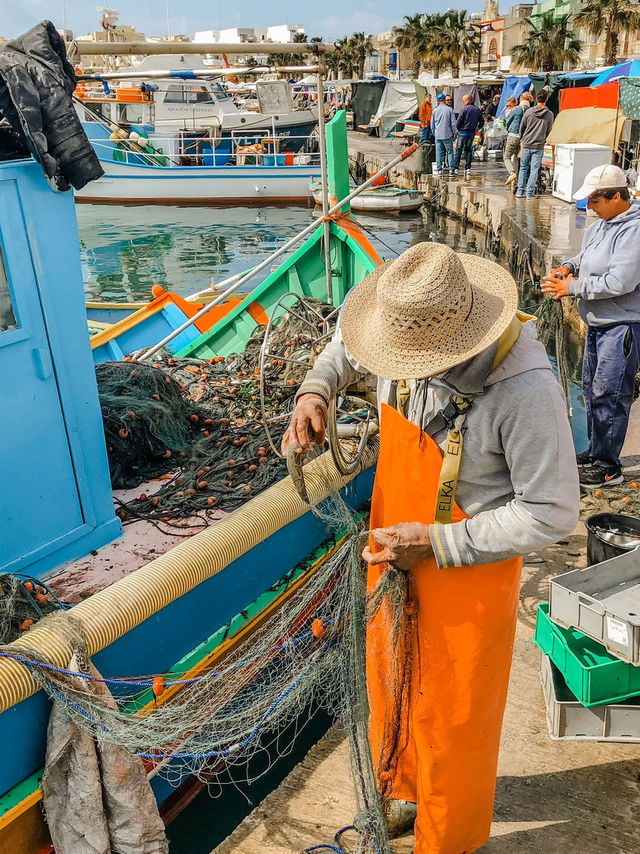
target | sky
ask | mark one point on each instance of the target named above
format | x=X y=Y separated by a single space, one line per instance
x=329 y=18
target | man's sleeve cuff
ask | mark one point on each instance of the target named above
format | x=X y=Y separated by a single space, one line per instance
x=449 y=545
x=315 y=386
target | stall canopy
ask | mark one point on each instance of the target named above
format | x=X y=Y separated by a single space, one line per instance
x=604 y=96
x=513 y=88
x=630 y=68
x=597 y=125
x=464 y=87
x=560 y=80
x=398 y=102
x=630 y=97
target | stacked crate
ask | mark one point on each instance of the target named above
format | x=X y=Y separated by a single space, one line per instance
x=589 y=636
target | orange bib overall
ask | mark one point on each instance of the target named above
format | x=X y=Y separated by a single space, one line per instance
x=465 y=621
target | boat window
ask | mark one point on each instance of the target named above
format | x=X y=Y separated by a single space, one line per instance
x=175 y=94
x=130 y=114
x=97 y=107
x=220 y=91
x=198 y=95
x=7 y=315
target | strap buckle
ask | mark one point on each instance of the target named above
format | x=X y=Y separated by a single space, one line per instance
x=456 y=407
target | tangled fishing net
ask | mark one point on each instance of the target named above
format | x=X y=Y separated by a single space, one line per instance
x=312 y=650
x=202 y=421
x=23 y=601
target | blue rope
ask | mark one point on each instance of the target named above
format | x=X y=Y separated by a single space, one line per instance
x=137 y=683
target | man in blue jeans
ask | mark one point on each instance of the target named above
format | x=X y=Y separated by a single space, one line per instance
x=469 y=120
x=444 y=128
x=605 y=277
x=534 y=130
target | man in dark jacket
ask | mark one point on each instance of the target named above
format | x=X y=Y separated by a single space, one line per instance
x=36 y=109
x=469 y=120
x=534 y=130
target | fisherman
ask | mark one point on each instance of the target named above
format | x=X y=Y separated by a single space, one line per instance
x=605 y=277
x=533 y=131
x=476 y=467
x=468 y=122
x=425 y=113
x=443 y=127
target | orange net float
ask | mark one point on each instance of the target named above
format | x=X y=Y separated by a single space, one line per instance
x=319 y=629
x=158 y=686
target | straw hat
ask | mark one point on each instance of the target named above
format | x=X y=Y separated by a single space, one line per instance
x=427 y=311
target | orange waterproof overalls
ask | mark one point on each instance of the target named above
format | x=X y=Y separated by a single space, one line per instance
x=462 y=646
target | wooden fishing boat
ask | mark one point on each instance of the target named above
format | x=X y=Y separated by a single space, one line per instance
x=385 y=199
x=218 y=585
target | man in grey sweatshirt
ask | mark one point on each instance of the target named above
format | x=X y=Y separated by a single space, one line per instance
x=518 y=478
x=605 y=277
x=534 y=129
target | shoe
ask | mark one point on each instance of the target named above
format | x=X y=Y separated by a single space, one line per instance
x=400 y=817
x=512 y=177
x=519 y=195
x=595 y=476
x=584 y=459
x=467 y=175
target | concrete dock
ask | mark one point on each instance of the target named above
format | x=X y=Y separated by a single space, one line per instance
x=550 y=228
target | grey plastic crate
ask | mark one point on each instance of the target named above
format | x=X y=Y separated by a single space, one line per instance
x=569 y=720
x=602 y=601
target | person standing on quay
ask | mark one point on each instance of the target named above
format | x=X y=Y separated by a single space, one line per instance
x=605 y=277
x=444 y=129
x=534 y=130
x=512 y=143
x=425 y=113
x=469 y=120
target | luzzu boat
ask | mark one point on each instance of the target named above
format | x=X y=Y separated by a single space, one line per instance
x=186 y=609
x=182 y=140
x=385 y=199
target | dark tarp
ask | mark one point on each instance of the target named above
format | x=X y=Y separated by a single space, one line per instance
x=365 y=99
x=560 y=80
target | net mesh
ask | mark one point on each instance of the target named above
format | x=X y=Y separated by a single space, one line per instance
x=310 y=651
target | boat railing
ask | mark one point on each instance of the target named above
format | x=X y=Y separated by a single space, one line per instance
x=255 y=147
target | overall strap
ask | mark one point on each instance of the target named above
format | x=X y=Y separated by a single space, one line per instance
x=453 y=417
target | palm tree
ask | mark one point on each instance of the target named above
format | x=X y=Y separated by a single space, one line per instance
x=360 y=45
x=300 y=38
x=407 y=37
x=451 y=42
x=610 y=18
x=550 y=43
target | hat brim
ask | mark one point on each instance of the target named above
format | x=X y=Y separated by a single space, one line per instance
x=583 y=193
x=495 y=302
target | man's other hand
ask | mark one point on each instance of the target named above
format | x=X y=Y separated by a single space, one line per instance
x=404 y=545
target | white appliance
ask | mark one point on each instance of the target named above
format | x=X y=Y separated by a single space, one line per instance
x=572 y=161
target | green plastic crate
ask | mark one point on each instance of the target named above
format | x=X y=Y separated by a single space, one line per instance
x=592 y=674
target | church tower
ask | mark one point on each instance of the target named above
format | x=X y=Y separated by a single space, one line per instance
x=490 y=12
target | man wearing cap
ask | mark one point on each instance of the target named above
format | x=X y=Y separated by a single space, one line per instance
x=476 y=467
x=443 y=127
x=605 y=277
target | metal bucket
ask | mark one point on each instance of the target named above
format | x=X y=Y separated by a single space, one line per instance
x=611 y=535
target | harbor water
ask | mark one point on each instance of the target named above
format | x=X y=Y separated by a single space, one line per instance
x=127 y=250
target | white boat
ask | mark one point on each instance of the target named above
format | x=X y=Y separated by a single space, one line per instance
x=181 y=139
x=199 y=185
x=386 y=199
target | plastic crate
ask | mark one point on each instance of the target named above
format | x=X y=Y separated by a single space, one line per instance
x=593 y=675
x=603 y=601
x=569 y=720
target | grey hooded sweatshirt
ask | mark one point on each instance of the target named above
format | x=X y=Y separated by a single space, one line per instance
x=518 y=480
x=607 y=270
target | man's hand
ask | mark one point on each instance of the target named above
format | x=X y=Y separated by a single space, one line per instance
x=404 y=545
x=562 y=272
x=309 y=416
x=557 y=286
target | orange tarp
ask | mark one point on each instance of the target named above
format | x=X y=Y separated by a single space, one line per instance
x=584 y=96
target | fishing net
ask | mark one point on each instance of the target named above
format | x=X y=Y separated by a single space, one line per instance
x=552 y=329
x=202 y=422
x=312 y=650
x=23 y=601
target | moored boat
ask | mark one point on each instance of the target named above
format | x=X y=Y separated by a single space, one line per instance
x=385 y=199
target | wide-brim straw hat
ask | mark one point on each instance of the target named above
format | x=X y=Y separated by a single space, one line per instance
x=427 y=311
